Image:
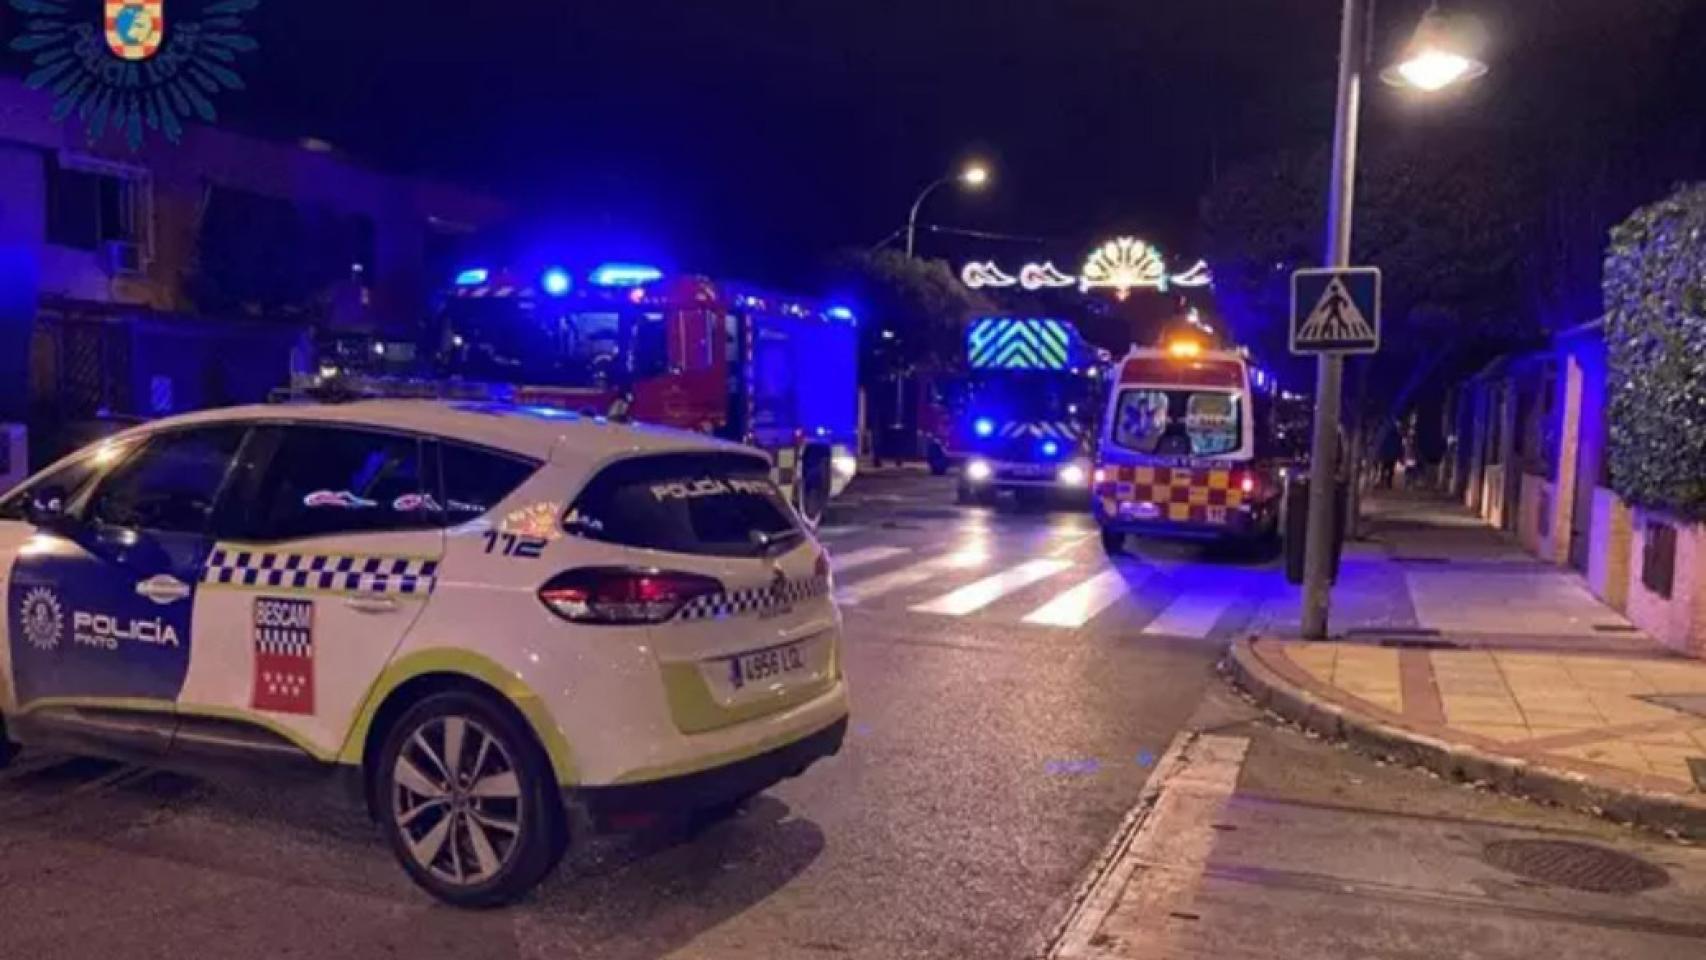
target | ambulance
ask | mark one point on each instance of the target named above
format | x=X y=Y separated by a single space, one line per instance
x=1186 y=448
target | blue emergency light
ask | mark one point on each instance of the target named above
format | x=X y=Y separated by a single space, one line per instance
x=473 y=277
x=555 y=281
x=1050 y=448
x=839 y=313
x=625 y=275
x=983 y=427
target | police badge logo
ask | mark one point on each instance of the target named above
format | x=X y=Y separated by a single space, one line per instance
x=135 y=27
x=124 y=67
x=41 y=618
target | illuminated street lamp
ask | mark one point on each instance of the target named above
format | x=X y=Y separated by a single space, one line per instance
x=975 y=176
x=1442 y=52
x=1437 y=56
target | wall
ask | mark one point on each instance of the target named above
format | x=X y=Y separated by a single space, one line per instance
x=22 y=212
x=1680 y=621
x=401 y=209
x=1493 y=495
x=1611 y=540
x=1534 y=509
x=1569 y=449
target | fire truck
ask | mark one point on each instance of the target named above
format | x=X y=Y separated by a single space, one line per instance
x=1023 y=416
x=626 y=341
x=1190 y=448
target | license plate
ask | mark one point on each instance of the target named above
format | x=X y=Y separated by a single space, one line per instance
x=765 y=665
x=1140 y=511
x=1029 y=470
x=1216 y=514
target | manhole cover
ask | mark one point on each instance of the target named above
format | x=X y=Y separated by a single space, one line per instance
x=1578 y=866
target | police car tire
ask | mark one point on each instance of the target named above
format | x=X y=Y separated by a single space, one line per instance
x=8 y=749
x=1113 y=542
x=544 y=831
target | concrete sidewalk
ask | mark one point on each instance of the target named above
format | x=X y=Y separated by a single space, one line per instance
x=1460 y=652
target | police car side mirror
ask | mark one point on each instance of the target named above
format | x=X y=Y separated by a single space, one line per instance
x=46 y=508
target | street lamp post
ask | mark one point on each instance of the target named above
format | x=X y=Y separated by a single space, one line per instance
x=1433 y=60
x=973 y=176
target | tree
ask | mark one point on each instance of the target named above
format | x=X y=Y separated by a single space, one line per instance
x=1442 y=221
x=1655 y=302
x=912 y=313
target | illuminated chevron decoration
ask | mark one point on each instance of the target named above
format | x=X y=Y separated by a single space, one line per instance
x=1041 y=429
x=1007 y=343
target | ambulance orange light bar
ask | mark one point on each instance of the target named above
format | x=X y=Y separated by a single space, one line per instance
x=1184 y=348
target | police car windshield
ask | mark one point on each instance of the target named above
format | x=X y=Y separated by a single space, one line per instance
x=712 y=505
x=1179 y=422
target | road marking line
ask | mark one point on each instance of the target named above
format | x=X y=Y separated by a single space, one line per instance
x=1156 y=860
x=969 y=558
x=859 y=558
x=1082 y=603
x=1191 y=615
x=976 y=596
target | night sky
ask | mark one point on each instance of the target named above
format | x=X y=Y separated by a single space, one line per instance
x=751 y=138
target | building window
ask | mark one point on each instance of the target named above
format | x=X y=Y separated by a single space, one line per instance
x=1658 y=559
x=91 y=203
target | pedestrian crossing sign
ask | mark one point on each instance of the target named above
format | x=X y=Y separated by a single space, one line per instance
x=1335 y=311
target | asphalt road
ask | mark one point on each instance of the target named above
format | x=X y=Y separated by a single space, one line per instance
x=1012 y=692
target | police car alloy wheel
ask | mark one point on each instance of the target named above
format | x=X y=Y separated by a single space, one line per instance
x=468 y=802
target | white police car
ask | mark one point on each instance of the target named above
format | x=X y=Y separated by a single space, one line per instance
x=509 y=624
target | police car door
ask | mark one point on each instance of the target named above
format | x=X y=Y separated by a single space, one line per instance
x=325 y=557
x=101 y=598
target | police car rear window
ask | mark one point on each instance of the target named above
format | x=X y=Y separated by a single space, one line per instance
x=713 y=505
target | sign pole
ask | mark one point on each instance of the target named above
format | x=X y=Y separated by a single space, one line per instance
x=1330 y=367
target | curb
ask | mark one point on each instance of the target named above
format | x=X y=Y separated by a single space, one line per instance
x=1674 y=814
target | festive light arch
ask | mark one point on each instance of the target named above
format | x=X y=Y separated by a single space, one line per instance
x=1122 y=265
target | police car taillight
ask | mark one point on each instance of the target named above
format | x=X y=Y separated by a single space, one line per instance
x=622 y=596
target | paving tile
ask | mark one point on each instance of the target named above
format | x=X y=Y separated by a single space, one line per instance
x=1458 y=715
x=1562 y=720
x=1623 y=756
x=1502 y=732
x=1669 y=761
x=1664 y=738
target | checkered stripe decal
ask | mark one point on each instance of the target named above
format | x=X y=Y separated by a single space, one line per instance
x=1184 y=494
x=337 y=574
x=737 y=603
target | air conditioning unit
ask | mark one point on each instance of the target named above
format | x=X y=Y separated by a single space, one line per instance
x=14 y=455
x=120 y=258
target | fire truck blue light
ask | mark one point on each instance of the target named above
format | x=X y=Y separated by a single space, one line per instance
x=555 y=281
x=984 y=426
x=839 y=313
x=473 y=277
x=1050 y=448
x=625 y=275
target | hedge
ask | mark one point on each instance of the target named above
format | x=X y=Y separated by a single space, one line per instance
x=1655 y=304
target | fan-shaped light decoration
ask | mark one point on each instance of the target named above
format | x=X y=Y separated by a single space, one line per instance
x=1124 y=264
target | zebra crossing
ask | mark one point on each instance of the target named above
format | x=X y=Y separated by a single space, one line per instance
x=1052 y=592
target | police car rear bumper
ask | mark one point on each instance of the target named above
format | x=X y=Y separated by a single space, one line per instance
x=635 y=805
